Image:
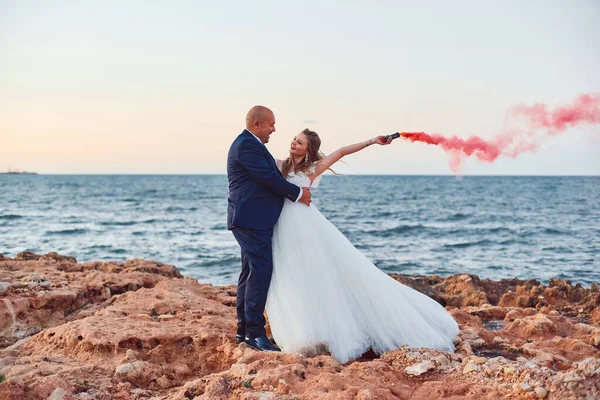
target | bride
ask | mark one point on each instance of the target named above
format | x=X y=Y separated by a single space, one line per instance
x=325 y=295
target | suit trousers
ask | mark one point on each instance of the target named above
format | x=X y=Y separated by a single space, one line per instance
x=254 y=280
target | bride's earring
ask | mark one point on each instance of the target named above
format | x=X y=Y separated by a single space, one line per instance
x=306 y=158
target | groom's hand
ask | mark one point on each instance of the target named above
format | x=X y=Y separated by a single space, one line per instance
x=305 y=196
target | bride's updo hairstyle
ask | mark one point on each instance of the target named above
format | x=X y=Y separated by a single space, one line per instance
x=313 y=154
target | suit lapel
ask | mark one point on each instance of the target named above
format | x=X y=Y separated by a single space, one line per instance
x=266 y=151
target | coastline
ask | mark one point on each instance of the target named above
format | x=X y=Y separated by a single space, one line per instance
x=139 y=329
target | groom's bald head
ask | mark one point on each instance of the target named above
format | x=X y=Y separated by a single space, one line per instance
x=261 y=122
x=257 y=113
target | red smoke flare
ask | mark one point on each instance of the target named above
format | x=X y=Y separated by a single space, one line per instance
x=474 y=145
x=584 y=110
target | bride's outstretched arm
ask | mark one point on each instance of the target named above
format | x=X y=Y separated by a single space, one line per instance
x=334 y=157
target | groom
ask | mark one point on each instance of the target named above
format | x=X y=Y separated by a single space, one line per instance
x=256 y=194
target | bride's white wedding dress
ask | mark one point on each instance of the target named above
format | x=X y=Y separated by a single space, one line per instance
x=325 y=295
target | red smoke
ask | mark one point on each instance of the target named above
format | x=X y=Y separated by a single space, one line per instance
x=474 y=145
x=584 y=110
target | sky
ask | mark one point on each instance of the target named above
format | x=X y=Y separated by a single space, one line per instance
x=163 y=87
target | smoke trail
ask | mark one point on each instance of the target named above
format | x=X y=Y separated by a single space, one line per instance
x=585 y=109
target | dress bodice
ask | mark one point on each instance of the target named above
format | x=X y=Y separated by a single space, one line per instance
x=302 y=179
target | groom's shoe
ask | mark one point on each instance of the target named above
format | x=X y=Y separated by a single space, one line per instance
x=262 y=343
x=241 y=338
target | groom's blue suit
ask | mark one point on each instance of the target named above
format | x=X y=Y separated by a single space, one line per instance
x=256 y=194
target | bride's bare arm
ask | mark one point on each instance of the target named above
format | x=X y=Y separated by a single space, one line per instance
x=334 y=157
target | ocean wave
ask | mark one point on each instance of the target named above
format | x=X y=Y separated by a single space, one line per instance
x=117 y=223
x=398 y=230
x=146 y=192
x=177 y=208
x=509 y=241
x=76 y=231
x=107 y=248
x=497 y=229
x=11 y=216
x=554 y=231
x=462 y=245
x=457 y=217
x=174 y=209
x=558 y=249
x=529 y=232
x=160 y=221
x=226 y=261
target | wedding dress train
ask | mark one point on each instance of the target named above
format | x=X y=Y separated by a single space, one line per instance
x=325 y=295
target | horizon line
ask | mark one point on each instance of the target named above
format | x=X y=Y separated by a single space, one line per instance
x=224 y=174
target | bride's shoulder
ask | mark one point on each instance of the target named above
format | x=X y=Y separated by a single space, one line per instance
x=308 y=171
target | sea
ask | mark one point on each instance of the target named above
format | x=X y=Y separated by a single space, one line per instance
x=496 y=227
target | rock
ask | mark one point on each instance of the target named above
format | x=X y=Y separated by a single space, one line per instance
x=4 y=288
x=470 y=367
x=138 y=372
x=19 y=285
x=26 y=256
x=137 y=329
x=441 y=360
x=493 y=365
x=478 y=360
x=526 y=387
x=540 y=392
x=68 y=287
x=58 y=394
x=498 y=340
x=538 y=326
x=420 y=368
x=163 y=382
x=131 y=355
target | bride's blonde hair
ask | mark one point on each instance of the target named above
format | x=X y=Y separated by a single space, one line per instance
x=313 y=154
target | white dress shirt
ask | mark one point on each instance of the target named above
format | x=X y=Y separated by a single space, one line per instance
x=300 y=195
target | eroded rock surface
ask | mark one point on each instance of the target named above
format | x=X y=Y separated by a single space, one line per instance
x=138 y=330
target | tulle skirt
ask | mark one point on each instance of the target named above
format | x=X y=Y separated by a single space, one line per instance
x=326 y=296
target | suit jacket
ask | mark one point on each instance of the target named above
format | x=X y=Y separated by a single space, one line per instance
x=256 y=187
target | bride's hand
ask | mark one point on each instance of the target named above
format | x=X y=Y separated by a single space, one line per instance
x=381 y=140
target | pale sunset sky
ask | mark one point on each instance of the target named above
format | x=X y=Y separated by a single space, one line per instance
x=163 y=87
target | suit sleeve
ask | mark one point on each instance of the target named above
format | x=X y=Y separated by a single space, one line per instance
x=253 y=159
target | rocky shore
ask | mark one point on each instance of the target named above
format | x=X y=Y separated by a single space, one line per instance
x=139 y=330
